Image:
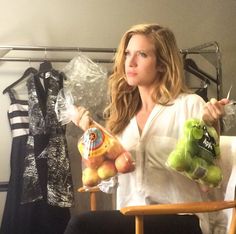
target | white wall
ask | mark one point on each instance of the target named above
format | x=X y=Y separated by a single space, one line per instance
x=93 y=23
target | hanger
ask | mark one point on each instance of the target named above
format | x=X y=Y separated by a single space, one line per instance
x=28 y=71
x=44 y=67
x=191 y=66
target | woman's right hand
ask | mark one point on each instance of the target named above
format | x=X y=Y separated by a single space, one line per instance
x=81 y=118
x=214 y=110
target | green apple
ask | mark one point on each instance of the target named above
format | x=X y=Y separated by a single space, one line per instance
x=213 y=176
x=189 y=123
x=197 y=132
x=193 y=129
x=179 y=161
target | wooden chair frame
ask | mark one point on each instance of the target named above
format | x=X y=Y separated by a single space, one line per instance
x=191 y=207
x=92 y=196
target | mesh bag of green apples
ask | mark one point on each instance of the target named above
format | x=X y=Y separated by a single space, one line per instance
x=196 y=153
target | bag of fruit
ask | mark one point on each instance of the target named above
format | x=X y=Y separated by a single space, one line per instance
x=196 y=153
x=102 y=156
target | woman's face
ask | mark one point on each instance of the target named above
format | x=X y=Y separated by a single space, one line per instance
x=140 y=62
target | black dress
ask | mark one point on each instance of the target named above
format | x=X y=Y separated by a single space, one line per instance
x=40 y=187
x=16 y=216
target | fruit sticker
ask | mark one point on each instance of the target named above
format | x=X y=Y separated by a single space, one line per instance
x=93 y=143
x=196 y=152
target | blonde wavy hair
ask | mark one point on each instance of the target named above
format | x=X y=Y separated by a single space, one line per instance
x=125 y=100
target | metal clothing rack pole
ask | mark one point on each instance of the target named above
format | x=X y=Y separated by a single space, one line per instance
x=7 y=49
x=58 y=48
x=55 y=60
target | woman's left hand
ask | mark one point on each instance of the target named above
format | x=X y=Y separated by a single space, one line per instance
x=213 y=111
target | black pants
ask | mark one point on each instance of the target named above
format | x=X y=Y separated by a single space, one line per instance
x=113 y=222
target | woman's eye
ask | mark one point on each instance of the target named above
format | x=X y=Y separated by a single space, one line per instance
x=142 y=54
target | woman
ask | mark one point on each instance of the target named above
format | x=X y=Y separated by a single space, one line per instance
x=148 y=108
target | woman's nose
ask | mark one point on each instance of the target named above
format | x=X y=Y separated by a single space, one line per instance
x=132 y=61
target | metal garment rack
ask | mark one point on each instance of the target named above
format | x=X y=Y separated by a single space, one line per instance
x=7 y=49
x=206 y=50
x=211 y=52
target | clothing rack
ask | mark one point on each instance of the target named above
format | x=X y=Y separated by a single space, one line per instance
x=5 y=57
x=211 y=52
x=6 y=49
